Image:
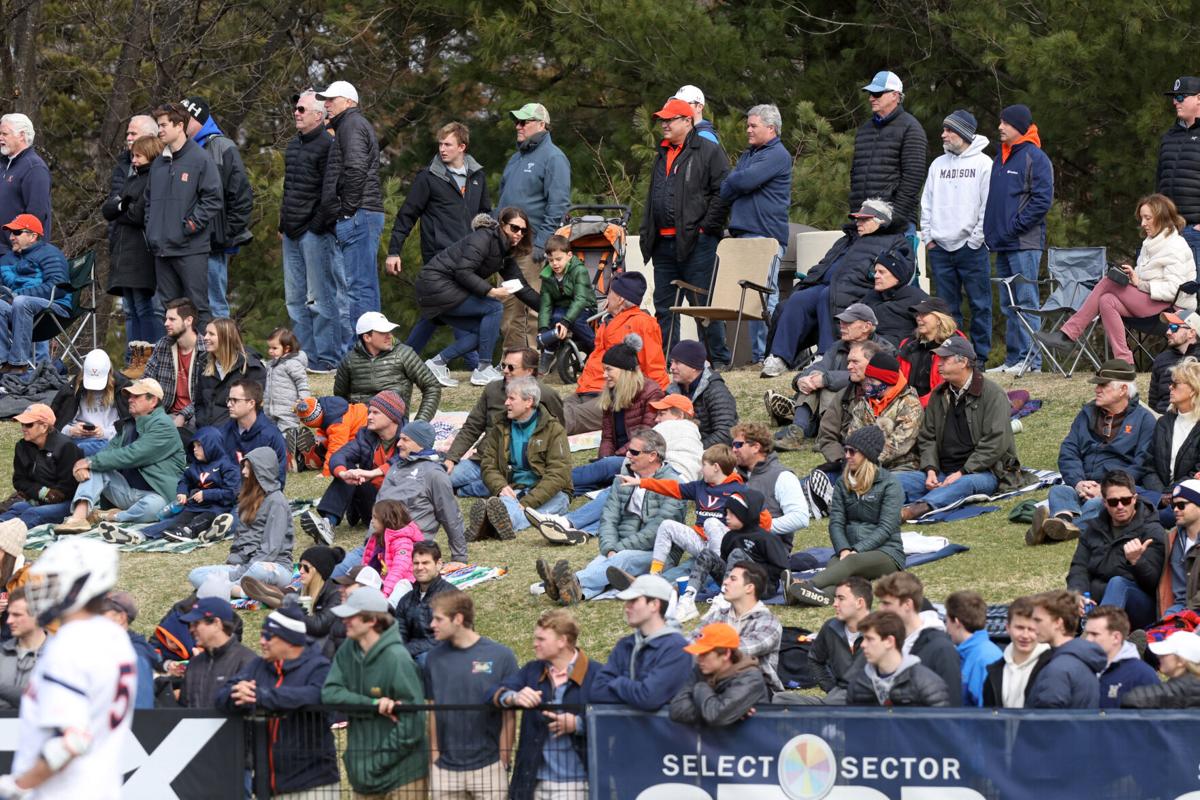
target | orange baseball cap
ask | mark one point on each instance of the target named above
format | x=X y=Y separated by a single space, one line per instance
x=675 y=108
x=26 y=222
x=716 y=635
x=674 y=401
x=38 y=412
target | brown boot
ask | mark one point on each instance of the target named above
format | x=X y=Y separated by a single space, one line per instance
x=139 y=354
x=913 y=511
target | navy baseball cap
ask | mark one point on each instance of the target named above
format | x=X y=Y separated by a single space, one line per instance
x=208 y=608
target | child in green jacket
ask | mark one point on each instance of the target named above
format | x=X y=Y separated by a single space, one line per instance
x=568 y=299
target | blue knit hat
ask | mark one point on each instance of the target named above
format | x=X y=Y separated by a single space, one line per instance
x=1019 y=116
x=963 y=123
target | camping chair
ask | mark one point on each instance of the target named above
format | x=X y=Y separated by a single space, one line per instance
x=742 y=266
x=1143 y=333
x=1074 y=272
x=48 y=325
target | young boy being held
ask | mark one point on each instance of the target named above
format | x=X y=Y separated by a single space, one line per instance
x=568 y=299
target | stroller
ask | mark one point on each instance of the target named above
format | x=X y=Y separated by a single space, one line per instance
x=598 y=236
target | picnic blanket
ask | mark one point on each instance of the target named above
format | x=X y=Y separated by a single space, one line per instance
x=18 y=393
x=447 y=424
x=43 y=535
x=1039 y=479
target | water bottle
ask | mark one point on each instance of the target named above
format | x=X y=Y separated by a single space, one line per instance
x=170 y=510
x=1087 y=605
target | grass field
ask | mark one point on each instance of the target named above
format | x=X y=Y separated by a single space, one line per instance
x=998 y=565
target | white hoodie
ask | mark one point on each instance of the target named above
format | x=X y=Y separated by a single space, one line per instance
x=955 y=196
x=1016 y=676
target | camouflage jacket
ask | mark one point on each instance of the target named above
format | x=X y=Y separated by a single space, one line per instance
x=900 y=422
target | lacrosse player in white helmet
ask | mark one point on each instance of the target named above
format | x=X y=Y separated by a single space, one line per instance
x=76 y=711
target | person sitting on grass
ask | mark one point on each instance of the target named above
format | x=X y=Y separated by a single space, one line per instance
x=261 y=553
x=748 y=539
x=1178 y=659
x=1174 y=451
x=1108 y=626
x=389 y=548
x=137 y=472
x=1183 y=340
x=725 y=685
x=917 y=360
x=205 y=495
x=42 y=479
x=966 y=621
x=318 y=596
x=93 y=406
x=758 y=630
x=413 y=609
x=376 y=364
x=248 y=428
x=714 y=407
x=887 y=676
x=864 y=522
x=567 y=301
x=334 y=422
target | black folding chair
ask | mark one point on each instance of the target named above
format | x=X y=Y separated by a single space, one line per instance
x=68 y=331
x=1144 y=334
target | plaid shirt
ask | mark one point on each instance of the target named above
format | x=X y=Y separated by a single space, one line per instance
x=759 y=631
x=163 y=367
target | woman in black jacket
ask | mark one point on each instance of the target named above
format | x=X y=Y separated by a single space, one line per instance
x=131 y=274
x=454 y=287
x=319 y=595
x=1178 y=659
x=894 y=297
x=226 y=361
x=1174 y=452
x=93 y=407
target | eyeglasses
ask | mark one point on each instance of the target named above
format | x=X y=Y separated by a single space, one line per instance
x=515 y=228
x=1179 y=505
x=850 y=451
x=1113 y=502
x=738 y=445
x=231 y=400
x=506 y=367
x=521 y=123
x=1179 y=98
x=1174 y=327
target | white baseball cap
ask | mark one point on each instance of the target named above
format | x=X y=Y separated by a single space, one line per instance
x=885 y=82
x=373 y=321
x=689 y=94
x=96 y=368
x=647 y=586
x=1184 y=644
x=339 y=89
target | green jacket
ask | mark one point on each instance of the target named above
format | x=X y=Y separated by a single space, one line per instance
x=619 y=530
x=548 y=453
x=988 y=417
x=380 y=754
x=575 y=290
x=870 y=522
x=361 y=376
x=157 y=453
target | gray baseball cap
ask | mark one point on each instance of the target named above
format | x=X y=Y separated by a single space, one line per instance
x=956 y=346
x=879 y=209
x=367 y=598
x=856 y=312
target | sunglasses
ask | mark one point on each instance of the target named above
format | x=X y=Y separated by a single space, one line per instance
x=630 y=451
x=1174 y=327
x=738 y=445
x=672 y=119
x=1113 y=502
x=1179 y=98
x=306 y=567
x=877 y=95
x=302 y=110
x=28 y=424
x=1179 y=505
x=850 y=451
x=515 y=228
x=505 y=367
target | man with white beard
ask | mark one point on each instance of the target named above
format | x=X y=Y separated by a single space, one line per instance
x=24 y=176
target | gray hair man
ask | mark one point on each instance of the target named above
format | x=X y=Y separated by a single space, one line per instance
x=26 y=185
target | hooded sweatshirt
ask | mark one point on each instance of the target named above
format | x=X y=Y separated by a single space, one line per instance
x=1016 y=676
x=1123 y=673
x=976 y=652
x=755 y=540
x=882 y=684
x=1069 y=679
x=956 y=191
x=267 y=537
x=217 y=476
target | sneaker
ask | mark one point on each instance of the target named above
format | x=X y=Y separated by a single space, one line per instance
x=780 y=407
x=316 y=526
x=485 y=374
x=813 y=510
x=442 y=373
x=537 y=589
x=548 y=584
x=820 y=489
x=477 y=523
x=1060 y=530
x=1004 y=369
x=218 y=530
x=1017 y=426
x=497 y=514
x=269 y=596
x=803 y=593
x=1036 y=534
x=555 y=528
x=685 y=608
x=790 y=437
x=73 y=526
x=566 y=584
x=184 y=534
x=772 y=367
x=618 y=578
x=113 y=533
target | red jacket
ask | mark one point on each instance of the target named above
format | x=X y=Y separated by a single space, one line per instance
x=613 y=332
x=638 y=414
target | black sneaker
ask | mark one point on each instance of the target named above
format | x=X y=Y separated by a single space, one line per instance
x=218 y=530
x=497 y=514
x=803 y=593
x=566 y=584
x=184 y=534
x=618 y=578
x=820 y=489
x=543 y=571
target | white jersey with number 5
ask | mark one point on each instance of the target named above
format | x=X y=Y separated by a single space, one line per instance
x=86 y=679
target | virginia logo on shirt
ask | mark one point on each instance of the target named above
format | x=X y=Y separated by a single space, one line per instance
x=481 y=667
x=183 y=178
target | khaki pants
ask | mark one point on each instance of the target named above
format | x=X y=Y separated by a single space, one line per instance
x=519 y=325
x=582 y=413
x=560 y=790
x=417 y=790
x=485 y=783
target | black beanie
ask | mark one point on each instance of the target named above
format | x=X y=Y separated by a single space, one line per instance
x=898 y=261
x=323 y=559
x=1019 y=116
x=746 y=504
x=869 y=441
x=624 y=355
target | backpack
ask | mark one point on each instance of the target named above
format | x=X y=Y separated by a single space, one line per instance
x=793 y=659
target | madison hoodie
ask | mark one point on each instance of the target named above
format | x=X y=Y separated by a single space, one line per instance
x=956 y=192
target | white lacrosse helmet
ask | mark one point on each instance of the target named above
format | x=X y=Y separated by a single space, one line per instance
x=69 y=574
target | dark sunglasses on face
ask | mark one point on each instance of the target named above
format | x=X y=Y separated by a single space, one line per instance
x=1174 y=327
x=506 y=367
x=876 y=95
x=1179 y=505
x=1113 y=502
x=738 y=445
x=1179 y=98
x=515 y=228
x=632 y=452
x=305 y=567
x=849 y=451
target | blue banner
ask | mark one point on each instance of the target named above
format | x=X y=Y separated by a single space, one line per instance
x=911 y=754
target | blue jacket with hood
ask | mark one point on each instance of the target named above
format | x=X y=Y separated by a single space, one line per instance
x=1070 y=678
x=644 y=672
x=37 y=271
x=1021 y=193
x=217 y=476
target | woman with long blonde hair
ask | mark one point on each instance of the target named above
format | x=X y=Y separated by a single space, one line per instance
x=1174 y=452
x=225 y=361
x=92 y=408
x=917 y=359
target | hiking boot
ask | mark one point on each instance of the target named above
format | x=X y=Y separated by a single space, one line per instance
x=114 y=534
x=497 y=514
x=820 y=488
x=543 y=571
x=184 y=534
x=545 y=362
x=269 y=596
x=566 y=584
x=772 y=367
x=780 y=407
x=803 y=593
x=914 y=511
x=442 y=373
x=478 y=527
x=790 y=438
x=618 y=578
x=316 y=526
x=685 y=608
x=73 y=526
x=1060 y=529
x=1036 y=534
x=218 y=530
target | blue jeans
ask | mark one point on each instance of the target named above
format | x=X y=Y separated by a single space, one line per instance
x=969 y=484
x=352 y=560
x=33 y=515
x=1192 y=237
x=90 y=445
x=805 y=313
x=696 y=270
x=557 y=504
x=758 y=330
x=467 y=479
x=16 y=327
x=218 y=280
x=581 y=331
x=142 y=324
x=1064 y=499
x=587 y=516
x=358 y=240
x=966 y=272
x=423 y=331
x=139 y=505
x=1017 y=340
x=594 y=579
x=314 y=286
x=269 y=573
x=1124 y=593
x=479 y=319
x=596 y=475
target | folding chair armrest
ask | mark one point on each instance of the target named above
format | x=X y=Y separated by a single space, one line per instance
x=688 y=287
x=755 y=286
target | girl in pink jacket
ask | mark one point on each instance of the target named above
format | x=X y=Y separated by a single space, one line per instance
x=389 y=548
